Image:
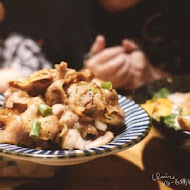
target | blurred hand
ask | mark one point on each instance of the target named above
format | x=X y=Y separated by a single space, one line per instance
x=139 y=71
x=106 y=61
x=98 y=45
x=125 y=66
x=5 y=76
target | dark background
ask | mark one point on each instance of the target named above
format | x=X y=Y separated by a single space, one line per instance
x=62 y=27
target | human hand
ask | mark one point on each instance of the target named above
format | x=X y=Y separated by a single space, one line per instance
x=125 y=66
x=140 y=71
x=5 y=76
x=108 y=63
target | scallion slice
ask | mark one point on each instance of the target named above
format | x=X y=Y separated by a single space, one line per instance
x=94 y=90
x=44 y=109
x=35 y=130
x=162 y=93
x=107 y=85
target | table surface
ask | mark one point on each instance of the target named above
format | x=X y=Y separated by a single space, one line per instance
x=147 y=165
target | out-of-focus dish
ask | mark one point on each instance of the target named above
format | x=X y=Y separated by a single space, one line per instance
x=60 y=109
x=177 y=140
x=137 y=121
x=171 y=109
x=165 y=99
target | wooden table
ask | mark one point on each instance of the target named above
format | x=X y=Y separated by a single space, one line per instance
x=137 y=168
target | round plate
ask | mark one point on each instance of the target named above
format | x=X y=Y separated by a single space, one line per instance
x=173 y=84
x=137 y=123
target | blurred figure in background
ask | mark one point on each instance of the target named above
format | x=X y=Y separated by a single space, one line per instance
x=4 y=73
x=140 y=41
x=19 y=56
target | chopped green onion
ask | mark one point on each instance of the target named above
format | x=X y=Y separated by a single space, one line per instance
x=35 y=130
x=170 y=120
x=94 y=90
x=44 y=109
x=162 y=93
x=107 y=85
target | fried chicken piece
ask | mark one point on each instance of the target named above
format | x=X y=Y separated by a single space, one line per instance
x=73 y=140
x=74 y=77
x=86 y=100
x=13 y=130
x=113 y=114
x=55 y=93
x=16 y=99
x=86 y=128
x=62 y=70
x=49 y=124
x=65 y=115
x=36 y=84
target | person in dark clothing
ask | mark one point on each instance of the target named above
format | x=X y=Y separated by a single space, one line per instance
x=156 y=31
x=158 y=51
x=129 y=64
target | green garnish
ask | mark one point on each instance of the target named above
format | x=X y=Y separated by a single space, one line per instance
x=35 y=130
x=176 y=109
x=94 y=90
x=162 y=93
x=44 y=109
x=107 y=85
x=170 y=120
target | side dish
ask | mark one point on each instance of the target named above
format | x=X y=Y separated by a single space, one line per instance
x=60 y=108
x=172 y=109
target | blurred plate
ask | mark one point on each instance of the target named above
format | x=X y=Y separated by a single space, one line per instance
x=174 y=84
x=137 y=123
x=178 y=140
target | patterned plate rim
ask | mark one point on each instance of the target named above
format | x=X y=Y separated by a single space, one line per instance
x=133 y=111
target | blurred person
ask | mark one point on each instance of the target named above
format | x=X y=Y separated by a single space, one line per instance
x=19 y=56
x=145 y=52
x=145 y=39
x=126 y=66
x=130 y=42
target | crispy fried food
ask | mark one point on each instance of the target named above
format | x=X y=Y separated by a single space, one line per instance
x=73 y=140
x=17 y=99
x=39 y=81
x=80 y=110
x=36 y=84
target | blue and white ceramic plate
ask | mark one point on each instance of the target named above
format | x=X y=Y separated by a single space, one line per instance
x=137 y=123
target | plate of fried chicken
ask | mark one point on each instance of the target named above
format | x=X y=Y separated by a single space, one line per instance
x=62 y=116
